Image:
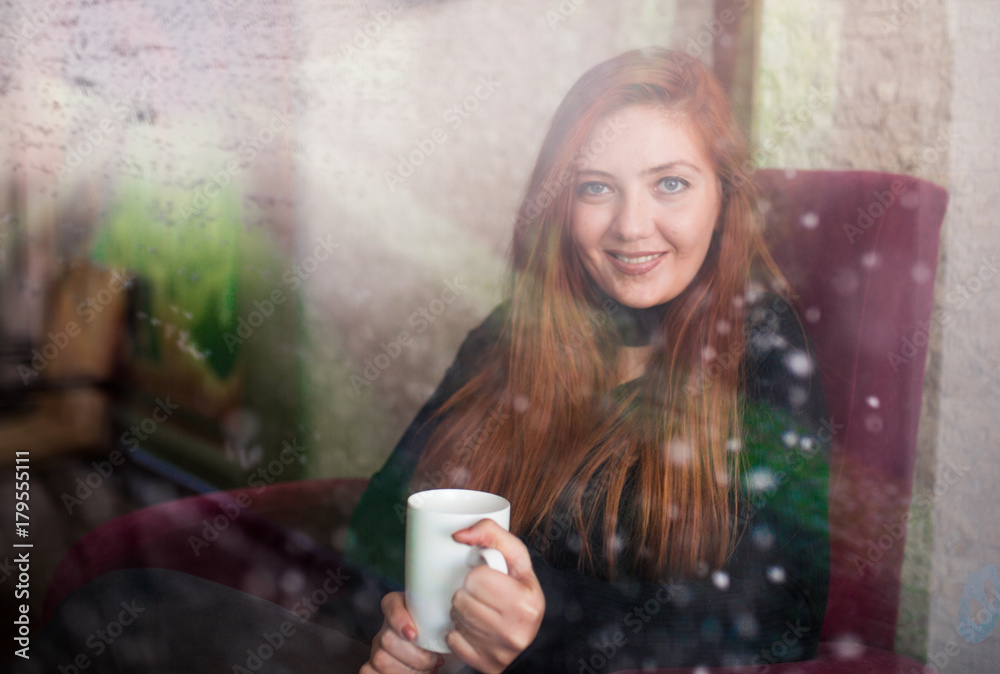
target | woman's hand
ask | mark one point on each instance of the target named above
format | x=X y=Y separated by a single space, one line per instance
x=393 y=649
x=496 y=616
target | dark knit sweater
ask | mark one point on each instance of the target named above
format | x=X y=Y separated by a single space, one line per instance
x=765 y=605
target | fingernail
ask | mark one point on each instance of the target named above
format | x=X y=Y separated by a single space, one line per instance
x=409 y=633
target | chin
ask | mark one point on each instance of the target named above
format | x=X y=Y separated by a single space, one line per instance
x=644 y=302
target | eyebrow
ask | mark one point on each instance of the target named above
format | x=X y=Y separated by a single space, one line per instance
x=655 y=169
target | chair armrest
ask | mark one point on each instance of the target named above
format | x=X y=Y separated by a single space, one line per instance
x=271 y=542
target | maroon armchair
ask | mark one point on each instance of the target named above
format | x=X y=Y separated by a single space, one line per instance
x=859 y=250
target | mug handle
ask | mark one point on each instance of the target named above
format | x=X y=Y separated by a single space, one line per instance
x=489 y=556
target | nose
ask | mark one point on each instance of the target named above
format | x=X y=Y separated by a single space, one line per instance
x=634 y=217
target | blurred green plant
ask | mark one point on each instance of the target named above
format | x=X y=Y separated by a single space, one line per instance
x=188 y=269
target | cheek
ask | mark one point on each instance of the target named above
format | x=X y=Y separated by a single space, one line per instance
x=697 y=236
x=585 y=231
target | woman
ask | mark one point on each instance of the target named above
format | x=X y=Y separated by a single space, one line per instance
x=647 y=409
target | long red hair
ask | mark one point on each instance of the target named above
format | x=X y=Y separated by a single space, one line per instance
x=562 y=444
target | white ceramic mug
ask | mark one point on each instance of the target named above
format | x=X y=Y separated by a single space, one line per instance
x=436 y=564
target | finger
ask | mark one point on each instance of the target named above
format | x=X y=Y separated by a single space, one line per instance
x=480 y=615
x=398 y=633
x=488 y=534
x=469 y=654
x=408 y=653
x=490 y=587
x=397 y=616
x=384 y=662
x=513 y=620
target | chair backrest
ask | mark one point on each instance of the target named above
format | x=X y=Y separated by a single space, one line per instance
x=860 y=250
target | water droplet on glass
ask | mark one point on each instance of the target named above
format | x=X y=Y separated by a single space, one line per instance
x=846 y=281
x=734 y=444
x=291 y=582
x=521 y=404
x=799 y=364
x=869 y=260
x=459 y=476
x=776 y=574
x=910 y=200
x=679 y=452
x=723 y=327
x=848 y=647
x=746 y=625
x=810 y=220
x=708 y=354
x=755 y=291
x=762 y=537
x=920 y=273
x=797 y=396
x=721 y=580
x=790 y=173
x=873 y=402
x=813 y=315
x=761 y=479
x=790 y=438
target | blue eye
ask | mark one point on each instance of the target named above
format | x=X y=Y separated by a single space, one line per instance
x=673 y=185
x=593 y=189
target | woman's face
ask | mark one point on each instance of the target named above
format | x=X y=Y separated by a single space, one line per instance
x=644 y=207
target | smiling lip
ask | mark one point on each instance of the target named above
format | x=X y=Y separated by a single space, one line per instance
x=634 y=264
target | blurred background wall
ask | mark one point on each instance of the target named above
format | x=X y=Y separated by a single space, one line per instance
x=295 y=184
x=912 y=89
